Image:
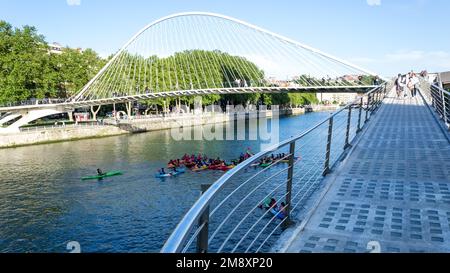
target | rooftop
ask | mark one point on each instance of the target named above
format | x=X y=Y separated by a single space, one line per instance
x=445 y=77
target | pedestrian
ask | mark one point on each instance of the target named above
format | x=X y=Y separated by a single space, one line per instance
x=415 y=84
x=376 y=81
x=405 y=87
x=398 y=85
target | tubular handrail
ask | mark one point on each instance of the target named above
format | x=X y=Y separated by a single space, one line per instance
x=180 y=235
x=439 y=99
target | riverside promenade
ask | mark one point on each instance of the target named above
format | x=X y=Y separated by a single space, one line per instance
x=391 y=194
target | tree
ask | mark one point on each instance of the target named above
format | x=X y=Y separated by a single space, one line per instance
x=28 y=70
x=23 y=63
x=74 y=69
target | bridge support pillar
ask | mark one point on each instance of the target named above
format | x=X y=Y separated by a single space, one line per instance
x=164 y=108
x=7 y=118
x=70 y=114
x=95 y=112
x=28 y=116
x=129 y=108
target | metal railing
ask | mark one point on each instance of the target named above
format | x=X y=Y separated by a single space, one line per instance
x=32 y=102
x=230 y=215
x=439 y=99
x=60 y=125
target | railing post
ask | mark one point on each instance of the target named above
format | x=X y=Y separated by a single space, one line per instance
x=374 y=101
x=360 y=115
x=367 y=109
x=378 y=100
x=288 y=220
x=202 y=238
x=444 y=110
x=433 y=100
x=440 y=104
x=328 y=151
x=347 y=135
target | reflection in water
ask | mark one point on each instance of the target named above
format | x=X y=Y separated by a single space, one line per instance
x=44 y=205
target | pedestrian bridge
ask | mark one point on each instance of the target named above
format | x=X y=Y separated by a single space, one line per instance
x=380 y=183
x=202 y=54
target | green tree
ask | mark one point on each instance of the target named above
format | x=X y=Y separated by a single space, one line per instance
x=24 y=64
x=28 y=70
x=74 y=69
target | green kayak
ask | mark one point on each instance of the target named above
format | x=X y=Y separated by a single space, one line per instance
x=108 y=174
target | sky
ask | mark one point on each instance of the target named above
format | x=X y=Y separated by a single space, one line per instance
x=384 y=36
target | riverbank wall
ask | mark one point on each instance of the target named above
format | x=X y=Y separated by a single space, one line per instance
x=33 y=136
x=57 y=134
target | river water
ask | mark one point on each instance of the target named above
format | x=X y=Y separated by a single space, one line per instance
x=44 y=204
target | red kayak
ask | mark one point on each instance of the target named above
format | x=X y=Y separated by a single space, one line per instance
x=190 y=164
x=225 y=168
x=215 y=167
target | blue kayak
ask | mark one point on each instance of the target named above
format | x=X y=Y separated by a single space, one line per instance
x=171 y=174
x=280 y=215
x=163 y=175
x=180 y=171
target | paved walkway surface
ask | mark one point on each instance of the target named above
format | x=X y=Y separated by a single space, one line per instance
x=393 y=189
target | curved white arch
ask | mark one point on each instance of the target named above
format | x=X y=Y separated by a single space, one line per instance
x=216 y=15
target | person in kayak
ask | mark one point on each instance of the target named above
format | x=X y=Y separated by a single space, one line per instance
x=162 y=171
x=100 y=172
x=273 y=204
x=249 y=153
x=282 y=210
x=266 y=203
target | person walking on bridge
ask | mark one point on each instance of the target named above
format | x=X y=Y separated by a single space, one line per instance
x=407 y=85
x=414 y=84
x=398 y=85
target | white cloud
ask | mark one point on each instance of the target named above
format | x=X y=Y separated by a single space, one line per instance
x=374 y=2
x=73 y=2
x=405 y=60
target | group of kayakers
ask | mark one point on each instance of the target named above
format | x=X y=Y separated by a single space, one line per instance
x=202 y=162
x=274 y=158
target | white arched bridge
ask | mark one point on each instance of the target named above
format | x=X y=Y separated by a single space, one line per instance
x=196 y=53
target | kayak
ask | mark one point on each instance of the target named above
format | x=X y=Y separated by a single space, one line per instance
x=199 y=169
x=225 y=168
x=163 y=175
x=261 y=165
x=280 y=215
x=287 y=160
x=189 y=164
x=108 y=174
x=179 y=171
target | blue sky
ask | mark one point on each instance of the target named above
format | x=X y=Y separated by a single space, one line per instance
x=386 y=36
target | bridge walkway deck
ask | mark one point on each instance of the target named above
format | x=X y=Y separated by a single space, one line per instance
x=394 y=189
